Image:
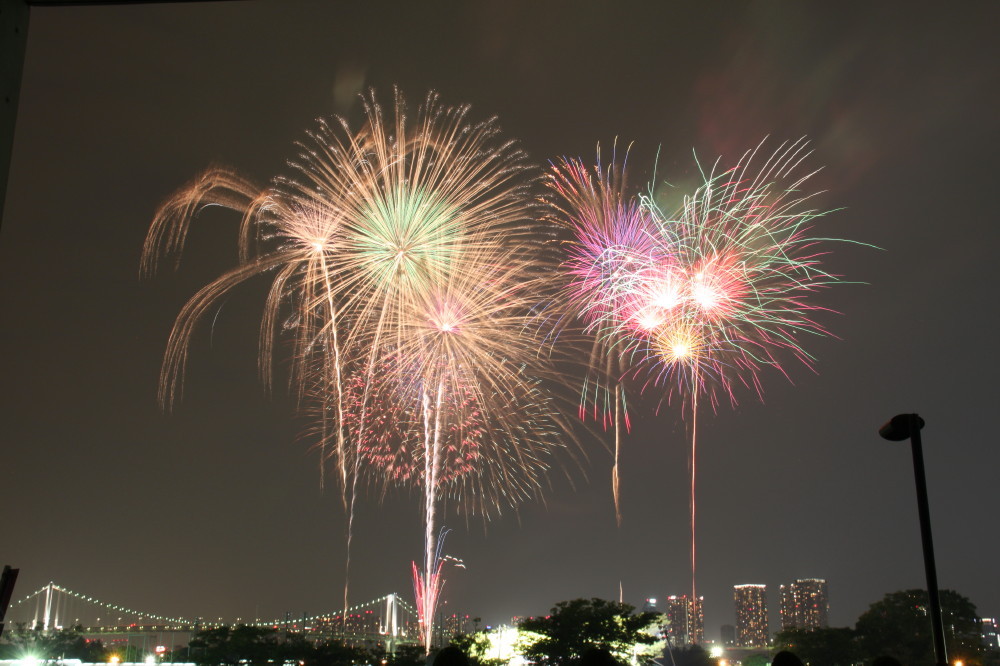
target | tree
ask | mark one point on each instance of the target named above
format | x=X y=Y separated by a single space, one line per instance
x=295 y=648
x=266 y=646
x=50 y=645
x=822 y=646
x=899 y=625
x=477 y=647
x=240 y=644
x=561 y=638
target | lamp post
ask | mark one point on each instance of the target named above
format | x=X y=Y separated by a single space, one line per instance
x=900 y=427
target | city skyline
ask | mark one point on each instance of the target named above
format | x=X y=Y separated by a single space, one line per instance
x=217 y=508
x=676 y=610
x=682 y=624
x=392 y=622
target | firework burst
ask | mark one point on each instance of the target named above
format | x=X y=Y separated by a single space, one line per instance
x=700 y=300
x=405 y=264
x=744 y=266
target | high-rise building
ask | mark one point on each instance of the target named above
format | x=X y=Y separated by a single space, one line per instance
x=456 y=624
x=728 y=634
x=804 y=604
x=751 y=615
x=685 y=620
x=786 y=607
x=990 y=633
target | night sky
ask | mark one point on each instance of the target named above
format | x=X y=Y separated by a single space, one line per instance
x=216 y=509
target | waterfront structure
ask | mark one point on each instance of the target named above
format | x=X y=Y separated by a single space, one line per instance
x=685 y=620
x=751 y=615
x=804 y=604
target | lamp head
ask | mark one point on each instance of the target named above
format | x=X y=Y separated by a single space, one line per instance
x=900 y=427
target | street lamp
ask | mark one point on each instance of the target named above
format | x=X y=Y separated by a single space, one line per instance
x=900 y=427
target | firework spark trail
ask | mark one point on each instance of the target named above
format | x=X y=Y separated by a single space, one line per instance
x=613 y=245
x=615 y=488
x=427 y=584
x=338 y=379
x=298 y=234
x=701 y=300
x=360 y=436
x=692 y=500
x=432 y=550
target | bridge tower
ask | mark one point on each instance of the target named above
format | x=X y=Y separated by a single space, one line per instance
x=390 y=624
x=47 y=617
x=391 y=619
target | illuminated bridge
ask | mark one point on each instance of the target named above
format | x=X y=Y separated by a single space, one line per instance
x=388 y=620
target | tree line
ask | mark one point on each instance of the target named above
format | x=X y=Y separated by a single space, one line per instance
x=241 y=645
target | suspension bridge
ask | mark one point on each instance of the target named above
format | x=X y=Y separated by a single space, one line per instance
x=388 y=620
